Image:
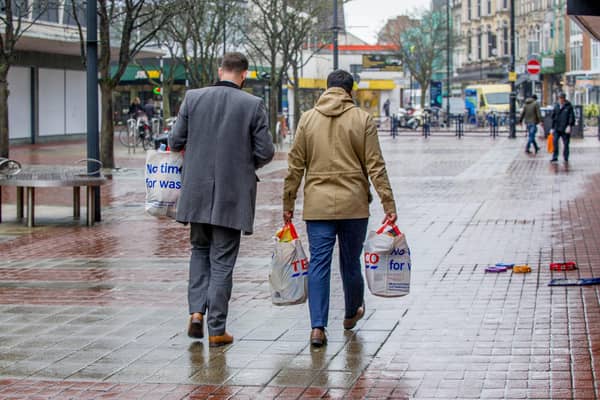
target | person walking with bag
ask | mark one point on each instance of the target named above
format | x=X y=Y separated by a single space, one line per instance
x=336 y=150
x=563 y=120
x=532 y=116
x=225 y=135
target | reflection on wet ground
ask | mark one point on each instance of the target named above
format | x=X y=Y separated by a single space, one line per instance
x=93 y=312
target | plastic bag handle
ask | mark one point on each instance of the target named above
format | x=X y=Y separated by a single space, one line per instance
x=390 y=224
x=292 y=229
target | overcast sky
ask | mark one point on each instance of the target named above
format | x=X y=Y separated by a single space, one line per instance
x=364 y=18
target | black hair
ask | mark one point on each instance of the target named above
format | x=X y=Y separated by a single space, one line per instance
x=234 y=62
x=342 y=79
x=534 y=97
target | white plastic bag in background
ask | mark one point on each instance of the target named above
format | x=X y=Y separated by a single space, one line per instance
x=163 y=182
x=289 y=269
x=387 y=262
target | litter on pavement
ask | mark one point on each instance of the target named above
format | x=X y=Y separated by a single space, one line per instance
x=574 y=282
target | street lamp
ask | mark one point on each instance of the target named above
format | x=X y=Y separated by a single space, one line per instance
x=448 y=59
x=335 y=29
x=93 y=140
x=513 y=106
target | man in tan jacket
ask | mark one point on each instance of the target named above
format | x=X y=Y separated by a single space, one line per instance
x=336 y=150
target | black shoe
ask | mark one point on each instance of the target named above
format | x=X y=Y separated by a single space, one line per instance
x=537 y=149
x=528 y=152
x=566 y=160
x=554 y=160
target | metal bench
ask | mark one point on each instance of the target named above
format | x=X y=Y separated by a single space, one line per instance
x=31 y=177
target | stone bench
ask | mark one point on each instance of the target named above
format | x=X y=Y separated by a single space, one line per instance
x=31 y=177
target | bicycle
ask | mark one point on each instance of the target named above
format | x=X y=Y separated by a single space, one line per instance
x=138 y=132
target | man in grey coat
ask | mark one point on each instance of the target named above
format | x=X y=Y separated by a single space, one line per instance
x=225 y=135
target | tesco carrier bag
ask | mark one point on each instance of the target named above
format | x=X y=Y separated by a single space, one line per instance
x=163 y=182
x=387 y=262
x=289 y=269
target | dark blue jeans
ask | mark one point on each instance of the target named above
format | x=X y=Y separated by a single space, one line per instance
x=321 y=237
x=531 y=131
x=565 y=139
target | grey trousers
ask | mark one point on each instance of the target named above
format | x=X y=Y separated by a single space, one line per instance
x=214 y=251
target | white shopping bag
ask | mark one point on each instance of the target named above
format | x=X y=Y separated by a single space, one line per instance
x=289 y=269
x=163 y=182
x=387 y=262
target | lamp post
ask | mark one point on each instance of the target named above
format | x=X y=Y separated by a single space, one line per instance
x=335 y=29
x=513 y=96
x=448 y=59
x=93 y=140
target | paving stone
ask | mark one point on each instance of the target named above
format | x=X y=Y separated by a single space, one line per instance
x=96 y=312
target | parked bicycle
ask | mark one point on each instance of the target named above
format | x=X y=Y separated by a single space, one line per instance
x=138 y=132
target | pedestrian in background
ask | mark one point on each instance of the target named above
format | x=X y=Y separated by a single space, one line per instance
x=135 y=108
x=563 y=120
x=386 y=108
x=149 y=109
x=532 y=116
x=336 y=150
x=226 y=139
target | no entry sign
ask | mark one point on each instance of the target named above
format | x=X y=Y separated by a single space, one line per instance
x=533 y=67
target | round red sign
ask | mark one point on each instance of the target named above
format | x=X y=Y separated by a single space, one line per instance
x=534 y=67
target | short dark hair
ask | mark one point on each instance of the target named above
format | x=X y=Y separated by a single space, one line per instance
x=534 y=97
x=563 y=95
x=341 y=78
x=234 y=62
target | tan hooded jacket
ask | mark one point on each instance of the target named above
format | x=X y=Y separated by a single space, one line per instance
x=336 y=150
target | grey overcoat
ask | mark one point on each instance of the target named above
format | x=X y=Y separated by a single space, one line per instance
x=225 y=135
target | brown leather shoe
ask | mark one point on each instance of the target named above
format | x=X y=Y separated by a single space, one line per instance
x=318 y=337
x=196 y=326
x=350 y=323
x=220 y=340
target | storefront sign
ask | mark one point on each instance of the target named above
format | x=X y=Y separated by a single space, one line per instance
x=381 y=62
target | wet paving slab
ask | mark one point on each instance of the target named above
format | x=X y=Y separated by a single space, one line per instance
x=100 y=312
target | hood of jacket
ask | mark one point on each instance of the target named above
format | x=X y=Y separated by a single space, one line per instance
x=334 y=102
x=529 y=100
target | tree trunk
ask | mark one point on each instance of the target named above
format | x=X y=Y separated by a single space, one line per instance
x=166 y=101
x=424 y=85
x=3 y=112
x=107 y=130
x=273 y=97
x=296 y=96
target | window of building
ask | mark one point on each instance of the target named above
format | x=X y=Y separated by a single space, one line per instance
x=469 y=5
x=505 y=4
x=533 y=40
x=68 y=18
x=489 y=7
x=575 y=46
x=478 y=8
x=469 y=45
x=595 y=55
x=505 y=40
x=479 y=45
x=46 y=10
x=491 y=45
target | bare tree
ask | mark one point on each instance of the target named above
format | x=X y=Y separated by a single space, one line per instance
x=198 y=31
x=302 y=25
x=167 y=67
x=421 y=49
x=263 y=33
x=16 y=18
x=130 y=25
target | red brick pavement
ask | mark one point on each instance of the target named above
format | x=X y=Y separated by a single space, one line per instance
x=475 y=336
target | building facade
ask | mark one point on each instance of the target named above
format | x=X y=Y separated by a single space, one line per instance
x=483 y=56
x=582 y=80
